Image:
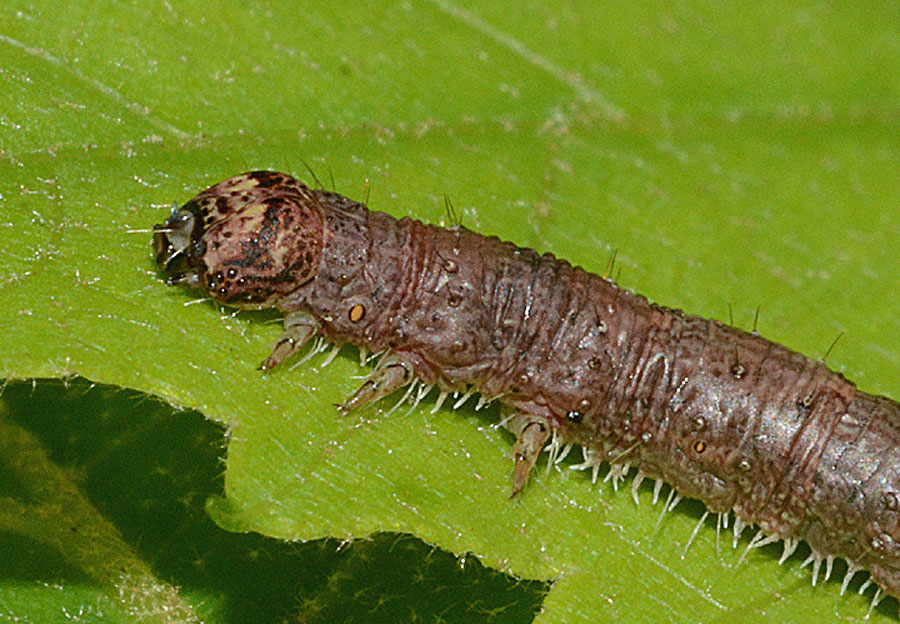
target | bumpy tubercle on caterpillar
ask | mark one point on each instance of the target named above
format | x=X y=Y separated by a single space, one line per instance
x=722 y=415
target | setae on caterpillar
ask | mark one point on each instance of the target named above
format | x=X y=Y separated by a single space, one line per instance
x=724 y=416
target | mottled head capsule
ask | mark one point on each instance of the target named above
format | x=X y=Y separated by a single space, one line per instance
x=246 y=241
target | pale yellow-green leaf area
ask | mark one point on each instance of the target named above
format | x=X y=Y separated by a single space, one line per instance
x=741 y=162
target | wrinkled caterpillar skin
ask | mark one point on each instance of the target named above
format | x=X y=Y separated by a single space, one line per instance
x=723 y=415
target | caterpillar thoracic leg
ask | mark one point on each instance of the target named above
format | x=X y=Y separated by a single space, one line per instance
x=299 y=327
x=391 y=375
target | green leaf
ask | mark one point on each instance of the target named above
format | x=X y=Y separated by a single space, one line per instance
x=104 y=521
x=730 y=156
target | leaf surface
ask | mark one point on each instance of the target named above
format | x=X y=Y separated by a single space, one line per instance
x=730 y=157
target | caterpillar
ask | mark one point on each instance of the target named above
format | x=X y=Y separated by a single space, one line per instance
x=724 y=416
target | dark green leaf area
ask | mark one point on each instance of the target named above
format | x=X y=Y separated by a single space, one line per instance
x=147 y=470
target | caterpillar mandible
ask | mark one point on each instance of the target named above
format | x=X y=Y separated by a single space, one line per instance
x=722 y=415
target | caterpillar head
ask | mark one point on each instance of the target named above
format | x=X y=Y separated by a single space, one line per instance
x=246 y=241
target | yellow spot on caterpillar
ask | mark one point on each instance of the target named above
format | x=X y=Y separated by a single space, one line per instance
x=357 y=312
x=699 y=446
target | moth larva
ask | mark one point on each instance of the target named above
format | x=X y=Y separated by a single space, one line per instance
x=722 y=415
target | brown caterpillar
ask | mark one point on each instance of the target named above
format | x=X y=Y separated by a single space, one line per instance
x=723 y=415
